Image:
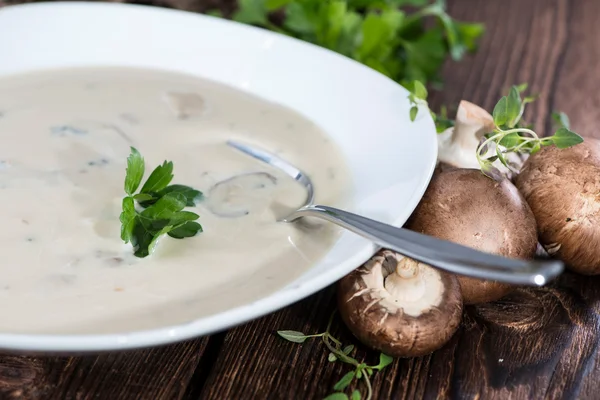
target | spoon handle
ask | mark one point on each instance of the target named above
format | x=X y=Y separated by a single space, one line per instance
x=438 y=253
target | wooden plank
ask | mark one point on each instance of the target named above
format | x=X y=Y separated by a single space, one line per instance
x=157 y=373
x=535 y=343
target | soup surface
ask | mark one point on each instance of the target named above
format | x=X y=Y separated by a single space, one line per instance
x=64 y=139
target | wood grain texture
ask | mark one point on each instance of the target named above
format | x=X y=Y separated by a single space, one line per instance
x=533 y=344
x=157 y=373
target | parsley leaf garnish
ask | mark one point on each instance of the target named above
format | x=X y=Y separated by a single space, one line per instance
x=162 y=205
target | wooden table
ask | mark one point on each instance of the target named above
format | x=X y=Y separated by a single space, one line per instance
x=534 y=344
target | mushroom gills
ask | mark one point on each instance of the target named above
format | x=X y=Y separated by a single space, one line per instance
x=399 y=306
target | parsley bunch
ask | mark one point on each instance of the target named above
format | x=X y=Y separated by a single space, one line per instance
x=382 y=34
x=162 y=206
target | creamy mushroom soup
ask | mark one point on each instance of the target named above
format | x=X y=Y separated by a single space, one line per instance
x=64 y=139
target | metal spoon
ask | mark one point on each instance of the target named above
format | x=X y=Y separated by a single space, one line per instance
x=442 y=254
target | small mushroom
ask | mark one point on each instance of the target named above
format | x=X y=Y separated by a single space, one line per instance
x=457 y=145
x=185 y=105
x=399 y=306
x=562 y=187
x=241 y=195
x=466 y=207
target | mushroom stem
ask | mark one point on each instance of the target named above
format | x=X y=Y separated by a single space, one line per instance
x=405 y=284
x=407 y=268
x=471 y=123
x=457 y=145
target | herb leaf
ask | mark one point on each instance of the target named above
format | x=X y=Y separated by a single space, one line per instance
x=337 y=396
x=561 y=119
x=165 y=207
x=513 y=107
x=403 y=39
x=500 y=112
x=127 y=219
x=355 y=395
x=192 y=196
x=134 y=172
x=384 y=361
x=163 y=213
x=413 y=112
x=345 y=381
x=511 y=135
x=159 y=178
x=185 y=230
x=293 y=336
x=564 y=138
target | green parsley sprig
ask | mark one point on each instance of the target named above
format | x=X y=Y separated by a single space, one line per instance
x=338 y=353
x=390 y=36
x=162 y=206
x=510 y=135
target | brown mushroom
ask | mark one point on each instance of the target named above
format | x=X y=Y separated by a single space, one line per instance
x=466 y=207
x=399 y=306
x=562 y=187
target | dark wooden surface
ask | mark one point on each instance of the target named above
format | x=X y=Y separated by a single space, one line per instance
x=534 y=344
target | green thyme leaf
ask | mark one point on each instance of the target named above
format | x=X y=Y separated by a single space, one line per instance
x=419 y=90
x=522 y=87
x=293 y=336
x=337 y=396
x=345 y=381
x=561 y=120
x=513 y=107
x=500 y=112
x=512 y=135
x=355 y=395
x=384 y=361
x=510 y=140
x=564 y=138
x=414 y=110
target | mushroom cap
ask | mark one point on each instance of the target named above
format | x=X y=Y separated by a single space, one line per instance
x=562 y=187
x=415 y=322
x=466 y=207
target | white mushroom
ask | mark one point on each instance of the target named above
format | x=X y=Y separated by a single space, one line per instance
x=457 y=145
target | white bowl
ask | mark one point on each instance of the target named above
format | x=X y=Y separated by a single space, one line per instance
x=365 y=113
